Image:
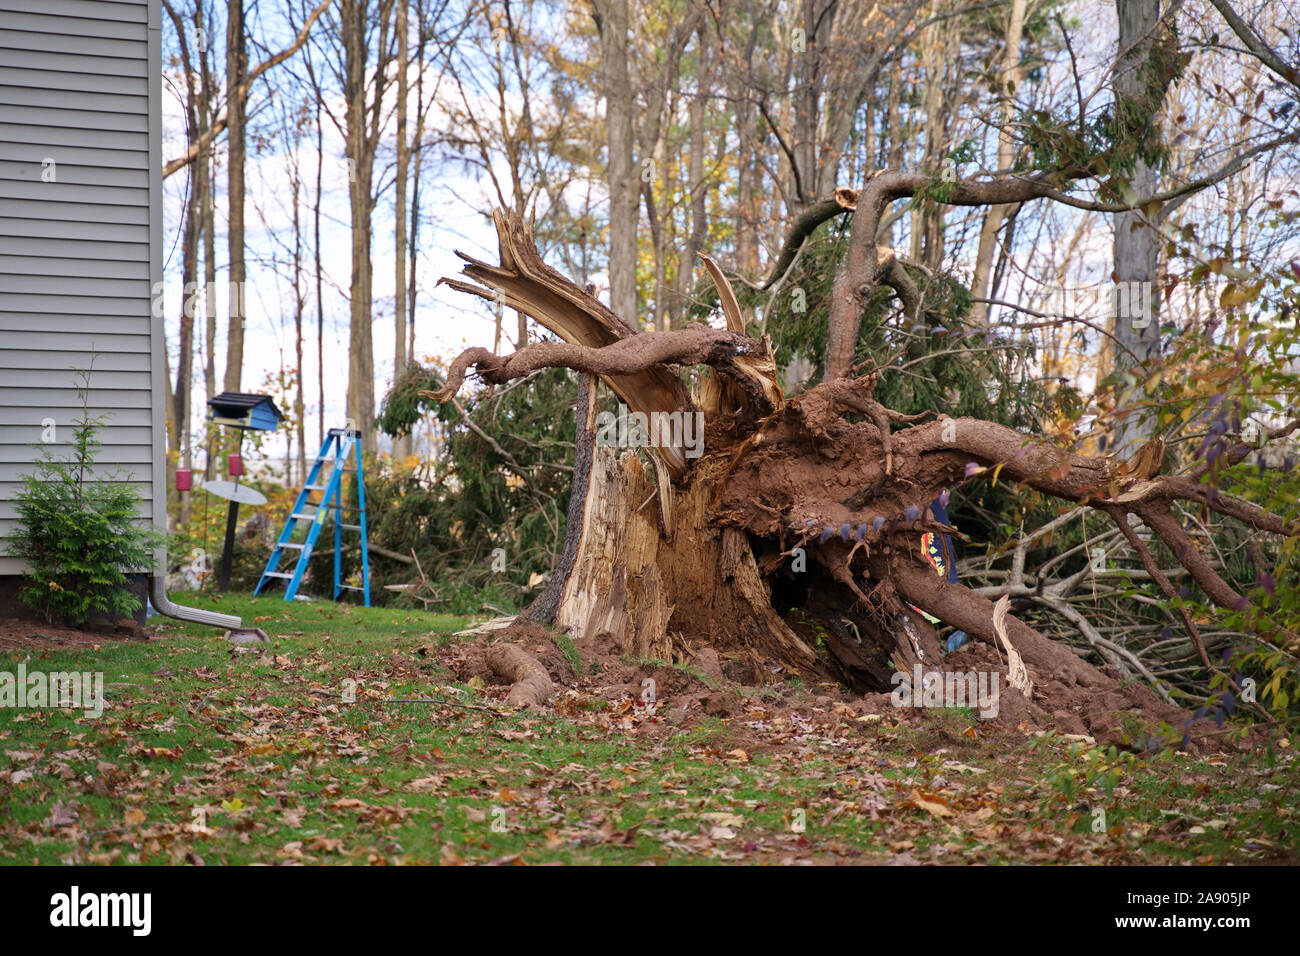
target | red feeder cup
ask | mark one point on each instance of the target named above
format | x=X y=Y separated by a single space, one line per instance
x=184 y=479
x=236 y=465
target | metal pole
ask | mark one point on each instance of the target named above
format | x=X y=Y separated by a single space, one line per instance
x=232 y=520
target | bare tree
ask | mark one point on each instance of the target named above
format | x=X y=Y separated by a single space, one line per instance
x=401 y=444
x=1142 y=77
x=236 y=118
x=611 y=18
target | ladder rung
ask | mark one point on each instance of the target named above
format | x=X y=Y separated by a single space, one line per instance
x=325 y=480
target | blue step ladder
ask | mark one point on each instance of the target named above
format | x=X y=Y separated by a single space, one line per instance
x=341 y=454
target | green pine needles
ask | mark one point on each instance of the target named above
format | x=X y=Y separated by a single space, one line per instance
x=80 y=532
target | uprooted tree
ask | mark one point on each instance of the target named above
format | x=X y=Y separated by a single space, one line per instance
x=815 y=502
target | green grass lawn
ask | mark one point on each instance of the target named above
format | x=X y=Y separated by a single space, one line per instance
x=208 y=752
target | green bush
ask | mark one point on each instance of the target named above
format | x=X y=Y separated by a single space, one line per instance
x=79 y=532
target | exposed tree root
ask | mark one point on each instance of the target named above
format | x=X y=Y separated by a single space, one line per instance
x=530 y=683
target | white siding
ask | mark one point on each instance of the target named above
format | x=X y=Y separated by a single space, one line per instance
x=79 y=85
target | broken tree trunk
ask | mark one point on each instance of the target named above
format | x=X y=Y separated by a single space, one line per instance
x=792 y=539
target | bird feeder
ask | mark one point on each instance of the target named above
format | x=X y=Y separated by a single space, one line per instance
x=245 y=412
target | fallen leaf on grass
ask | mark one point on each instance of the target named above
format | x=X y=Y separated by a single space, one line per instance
x=449 y=857
x=723 y=819
x=171 y=753
x=929 y=802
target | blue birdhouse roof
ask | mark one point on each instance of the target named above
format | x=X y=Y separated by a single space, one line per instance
x=244 y=410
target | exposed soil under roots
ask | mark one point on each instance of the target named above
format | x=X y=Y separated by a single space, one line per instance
x=709 y=684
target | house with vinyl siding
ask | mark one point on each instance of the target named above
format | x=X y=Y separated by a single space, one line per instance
x=81 y=240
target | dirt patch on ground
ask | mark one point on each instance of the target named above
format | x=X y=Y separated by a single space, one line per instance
x=19 y=635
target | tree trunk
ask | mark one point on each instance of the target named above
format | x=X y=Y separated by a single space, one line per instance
x=1009 y=77
x=204 y=190
x=320 y=280
x=236 y=69
x=1139 y=94
x=361 y=158
x=209 y=308
x=612 y=21
x=402 y=443
x=299 y=304
x=180 y=452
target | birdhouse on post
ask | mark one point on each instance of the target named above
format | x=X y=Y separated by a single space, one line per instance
x=243 y=411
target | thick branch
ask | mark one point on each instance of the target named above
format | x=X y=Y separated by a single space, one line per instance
x=1216 y=589
x=1120 y=517
x=973 y=613
x=859 y=271
x=805 y=224
x=692 y=346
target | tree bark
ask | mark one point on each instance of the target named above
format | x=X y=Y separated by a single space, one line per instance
x=1139 y=84
x=612 y=21
x=361 y=124
x=402 y=443
x=320 y=279
x=1009 y=77
x=206 y=176
x=236 y=69
x=180 y=452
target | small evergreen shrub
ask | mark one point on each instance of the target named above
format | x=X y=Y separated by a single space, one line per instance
x=79 y=533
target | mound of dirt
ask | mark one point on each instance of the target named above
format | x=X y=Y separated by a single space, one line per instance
x=660 y=698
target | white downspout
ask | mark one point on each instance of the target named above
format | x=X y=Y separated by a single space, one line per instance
x=165 y=605
x=158 y=583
